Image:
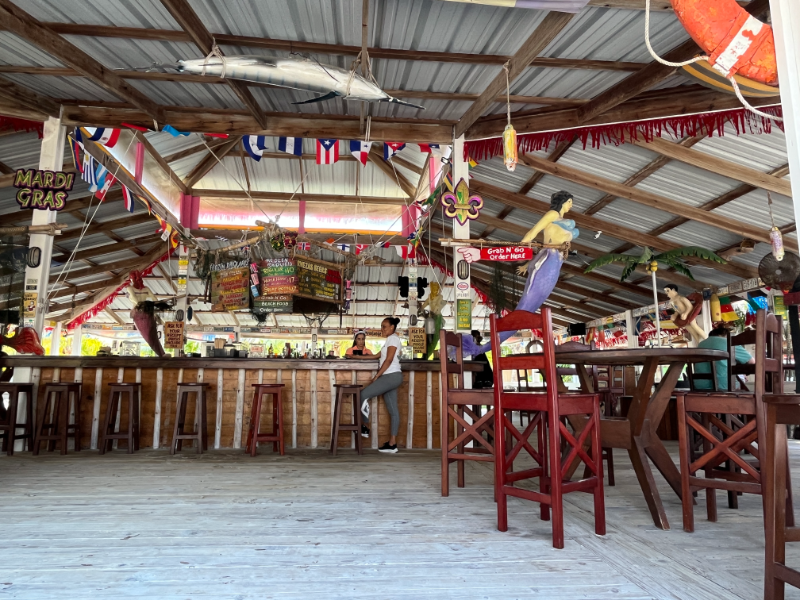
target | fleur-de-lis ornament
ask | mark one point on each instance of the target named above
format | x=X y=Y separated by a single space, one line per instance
x=459 y=205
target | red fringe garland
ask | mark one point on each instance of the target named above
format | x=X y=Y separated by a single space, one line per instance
x=106 y=302
x=618 y=133
x=21 y=125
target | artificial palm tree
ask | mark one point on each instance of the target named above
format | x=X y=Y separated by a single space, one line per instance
x=648 y=257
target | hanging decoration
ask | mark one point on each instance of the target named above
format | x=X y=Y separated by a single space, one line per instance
x=775 y=235
x=705 y=124
x=16 y=124
x=459 y=205
x=510 y=157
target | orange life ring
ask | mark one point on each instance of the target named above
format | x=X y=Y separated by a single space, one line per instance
x=735 y=41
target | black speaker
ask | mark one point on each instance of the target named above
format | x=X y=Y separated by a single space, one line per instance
x=577 y=329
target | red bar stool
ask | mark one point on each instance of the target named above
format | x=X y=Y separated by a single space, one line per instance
x=8 y=428
x=200 y=433
x=343 y=390
x=253 y=435
x=57 y=399
x=131 y=435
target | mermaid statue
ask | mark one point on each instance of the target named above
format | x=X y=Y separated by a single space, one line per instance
x=544 y=268
x=145 y=305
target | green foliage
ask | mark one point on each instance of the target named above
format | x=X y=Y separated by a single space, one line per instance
x=671 y=259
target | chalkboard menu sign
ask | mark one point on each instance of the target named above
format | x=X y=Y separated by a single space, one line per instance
x=278 y=277
x=318 y=280
x=230 y=289
x=273 y=304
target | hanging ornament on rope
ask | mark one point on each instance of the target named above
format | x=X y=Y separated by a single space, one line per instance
x=510 y=157
x=775 y=235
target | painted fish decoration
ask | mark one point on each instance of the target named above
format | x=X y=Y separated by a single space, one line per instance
x=294 y=73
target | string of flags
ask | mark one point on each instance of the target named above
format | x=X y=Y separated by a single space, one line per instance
x=328 y=151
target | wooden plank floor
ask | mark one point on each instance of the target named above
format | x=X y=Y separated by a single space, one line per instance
x=224 y=525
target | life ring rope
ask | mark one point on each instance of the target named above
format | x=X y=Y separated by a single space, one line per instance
x=731 y=53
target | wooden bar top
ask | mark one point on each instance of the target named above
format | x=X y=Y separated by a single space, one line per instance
x=135 y=362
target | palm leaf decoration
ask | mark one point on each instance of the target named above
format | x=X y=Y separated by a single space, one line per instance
x=672 y=259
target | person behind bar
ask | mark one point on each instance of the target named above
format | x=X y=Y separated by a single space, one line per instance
x=359 y=346
x=387 y=381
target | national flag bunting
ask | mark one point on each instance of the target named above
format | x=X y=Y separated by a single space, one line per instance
x=360 y=248
x=428 y=148
x=255 y=145
x=303 y=245
x=108 y=181
x=99 y=178
x=726 y=309
x=406 y=252
x=382 y=245
x=173 y=132
x=127 y=197
x=343 y=247
x=360 y=150
x=103 y=135
x=146 y=203
x=173 y=239
x=291 y=145
x=327 y=152
x=391 y=148
x=75 y=146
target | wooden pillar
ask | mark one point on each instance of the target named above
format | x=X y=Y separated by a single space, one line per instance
x=461 y=271
x=55 y=339
x=786 y=27
x=51 y=158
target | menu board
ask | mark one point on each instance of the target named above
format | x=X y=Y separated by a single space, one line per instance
x=315 y=279
x=230 y=289
x=273 y=304
x=278 y=277
x=173 y=334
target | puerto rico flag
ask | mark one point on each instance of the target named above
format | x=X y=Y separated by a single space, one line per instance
x=255 y=145
x=327 y=152
x=391 y=148
x=291 y=145
x=127 y=198
x=108 y=181
x=360 y=150
x=103 y=135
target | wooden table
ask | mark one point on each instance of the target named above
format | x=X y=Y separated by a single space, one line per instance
x=636 y=433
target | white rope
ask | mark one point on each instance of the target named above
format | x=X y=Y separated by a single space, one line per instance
x=508 y=92
x=215 y=52
x=747 y=105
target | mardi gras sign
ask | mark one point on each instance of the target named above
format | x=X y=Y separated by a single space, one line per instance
x=499 y=253
x=459 y=205
x=42 y=190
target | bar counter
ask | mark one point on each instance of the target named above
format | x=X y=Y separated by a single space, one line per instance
x=307 y=405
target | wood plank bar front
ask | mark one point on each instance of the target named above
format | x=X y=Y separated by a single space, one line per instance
x=307 y=396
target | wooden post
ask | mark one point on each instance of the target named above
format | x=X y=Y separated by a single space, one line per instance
x=630 y=327
x=55 y=339
x=218 y=419
x=77 y=338
x=786 y=28
x=157 y=418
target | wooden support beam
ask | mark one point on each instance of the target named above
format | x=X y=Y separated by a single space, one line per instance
x=103 y=268
x=213 y=145
x=611 y=282
x=171 y=35
x=113 y=315
x=160 y=160
x=648 y=199
x=283 y=196
x=210 y=160
x=603 y=297
x=718 y=166
x=376 y=158
x=547 y=30
x=107 y=226
x=559 y=151
x=188 y=20
x=17 y=94
x=592 y=223
x=20 y=23
x=108 y=248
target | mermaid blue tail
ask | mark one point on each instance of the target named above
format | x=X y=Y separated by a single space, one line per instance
x=543 y=273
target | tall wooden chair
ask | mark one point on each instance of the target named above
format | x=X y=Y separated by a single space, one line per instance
x=548 y=406
x=458 y=403
x=725 y=439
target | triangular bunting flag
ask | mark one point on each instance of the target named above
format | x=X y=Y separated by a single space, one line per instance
x=360 y=150
x=391 y=148
x=103 y=135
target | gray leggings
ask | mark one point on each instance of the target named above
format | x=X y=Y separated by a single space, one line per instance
x=388 y=386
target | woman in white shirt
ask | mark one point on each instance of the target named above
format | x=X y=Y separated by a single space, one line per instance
x=386 y=382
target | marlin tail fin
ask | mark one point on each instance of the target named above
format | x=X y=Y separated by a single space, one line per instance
x=403 y=102
x=328 y=96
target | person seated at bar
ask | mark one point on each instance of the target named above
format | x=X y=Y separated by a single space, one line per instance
x=386 y=382
x=717 y=340
x=359 y=347
x=481 y=379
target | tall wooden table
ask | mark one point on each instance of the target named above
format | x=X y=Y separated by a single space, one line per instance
x=636 y=433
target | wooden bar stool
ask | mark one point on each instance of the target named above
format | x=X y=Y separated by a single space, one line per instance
x=58 y=429
x=200 y=433
x=8 y=428
x=341 y=391
x=107 y=434
x=253 y=435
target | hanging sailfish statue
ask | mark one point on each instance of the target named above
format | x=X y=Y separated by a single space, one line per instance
x=295 y=72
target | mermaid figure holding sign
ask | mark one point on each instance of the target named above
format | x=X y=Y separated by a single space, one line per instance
x=544 y=268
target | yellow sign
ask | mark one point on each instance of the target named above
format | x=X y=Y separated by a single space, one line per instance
x=463 y=314
x=417 y=339
x=29 y=306
x=173 y=334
